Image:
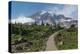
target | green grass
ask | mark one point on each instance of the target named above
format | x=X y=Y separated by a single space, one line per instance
x=69 y=40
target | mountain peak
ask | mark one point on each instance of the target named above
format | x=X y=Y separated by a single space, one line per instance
x=43 y=12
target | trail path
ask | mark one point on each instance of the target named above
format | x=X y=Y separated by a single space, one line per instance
x=51 y=43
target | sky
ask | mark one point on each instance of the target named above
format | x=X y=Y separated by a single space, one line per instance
x=24 y=9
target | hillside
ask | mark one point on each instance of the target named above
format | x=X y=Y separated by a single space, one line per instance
x=30 y=37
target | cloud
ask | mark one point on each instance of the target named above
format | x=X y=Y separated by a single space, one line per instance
x=67 y=10
x=22 y=19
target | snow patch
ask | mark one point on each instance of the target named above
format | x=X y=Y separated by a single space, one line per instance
x=43 y=12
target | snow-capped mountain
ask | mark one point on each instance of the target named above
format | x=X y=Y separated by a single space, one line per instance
x=50 y=18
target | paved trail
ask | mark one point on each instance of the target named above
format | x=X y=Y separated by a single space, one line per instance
x=51 y=43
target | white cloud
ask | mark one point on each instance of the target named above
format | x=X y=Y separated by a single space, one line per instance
x=67 y=10
x=22 y=19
